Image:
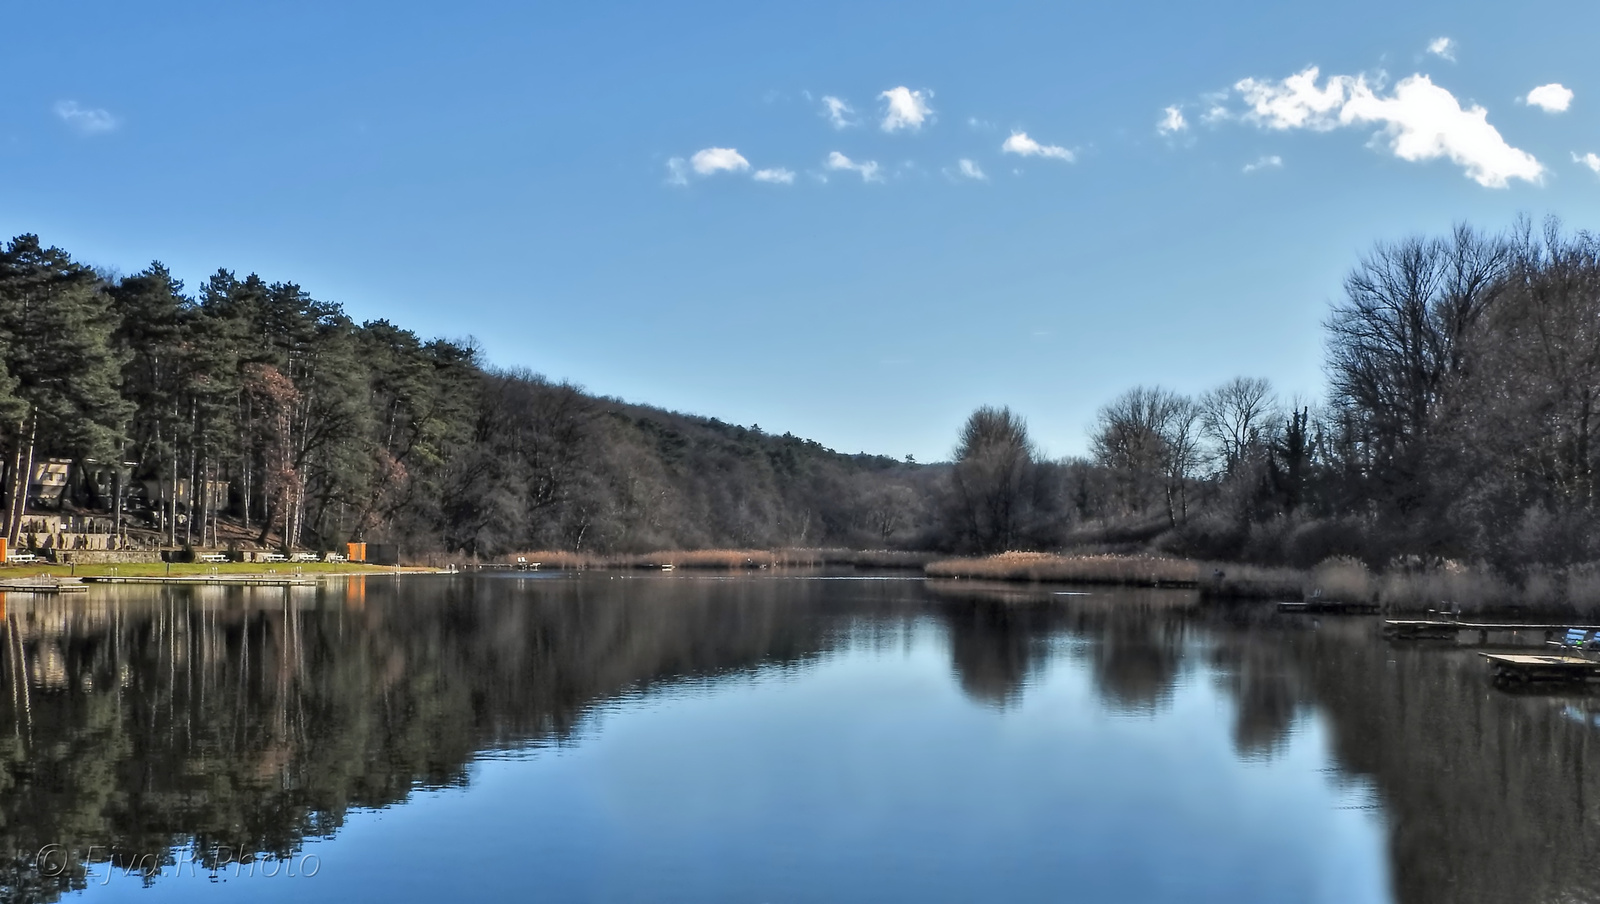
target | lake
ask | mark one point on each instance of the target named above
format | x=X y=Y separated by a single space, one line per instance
x=774 y=738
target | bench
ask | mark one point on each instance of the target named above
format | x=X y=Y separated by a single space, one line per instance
x=211 y=557
x=20 y=558
x=1577 y=639
x=272 y=557
x=303 y=557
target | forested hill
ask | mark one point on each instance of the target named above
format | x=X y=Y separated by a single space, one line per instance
x=248 y=404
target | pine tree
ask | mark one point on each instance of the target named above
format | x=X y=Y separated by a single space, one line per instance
x=56 y=327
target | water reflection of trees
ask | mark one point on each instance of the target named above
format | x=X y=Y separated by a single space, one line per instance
x=245 y=720
x=1489 y=797
x=248 y=720
x=1000 y=636
x=1486 y=797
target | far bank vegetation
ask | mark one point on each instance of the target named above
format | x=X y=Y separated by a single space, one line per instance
x=1451 y=460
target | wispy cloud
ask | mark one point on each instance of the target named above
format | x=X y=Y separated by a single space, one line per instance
x=1552 y=98
x=837 y=112
x=968 y=169
x=1444 y=48
x=1020 y=144
x=1172 y=122
x=87 y=120
x=1272 y=161
x=777 y=175
x=867 y=169
x=905 y=109
x=1216 y=109
x=1421 y=121
x=1591 y=160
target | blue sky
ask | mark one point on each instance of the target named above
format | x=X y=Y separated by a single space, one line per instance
x=575 y=185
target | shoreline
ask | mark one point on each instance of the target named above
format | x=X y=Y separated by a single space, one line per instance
x=1332 y=585
x=200 y=570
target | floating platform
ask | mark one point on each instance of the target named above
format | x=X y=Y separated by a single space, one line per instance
x=44 y=584
x=227 y=580
x=1329 y=607
x=1512 y=668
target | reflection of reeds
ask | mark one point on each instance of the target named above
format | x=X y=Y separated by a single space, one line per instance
x=1145 y=571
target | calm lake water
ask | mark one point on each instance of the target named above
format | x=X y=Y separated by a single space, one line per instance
x=809 y=738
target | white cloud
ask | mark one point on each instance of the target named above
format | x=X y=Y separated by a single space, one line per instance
x=1551 y=98
x=710 y=161
x=1019 y=143
x=906 y=109
x=1421 y=121
x=1296 y=102
x=1443 y=47
x=867 y=169
x=86 y=120
x=1272 y=161
x=1591 y=160
x=1172 y=122
x=979 y=125
x=971 y=170
x=716 y=160
x=837 y=112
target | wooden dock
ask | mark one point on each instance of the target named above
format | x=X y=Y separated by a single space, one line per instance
x=1449 y=629
x=1329 y=607
x=226 y=580
x=43 y=584
x=1514 y=669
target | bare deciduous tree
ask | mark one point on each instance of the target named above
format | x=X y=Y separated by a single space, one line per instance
x=1149 y=437
x=1236 y=416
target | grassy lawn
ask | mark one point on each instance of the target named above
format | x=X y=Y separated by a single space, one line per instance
x=202 y=568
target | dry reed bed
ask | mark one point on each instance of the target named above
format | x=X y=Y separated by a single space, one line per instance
x=1146 y=571
x=1232 y=581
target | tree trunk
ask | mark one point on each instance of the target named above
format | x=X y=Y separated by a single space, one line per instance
x=21 y=474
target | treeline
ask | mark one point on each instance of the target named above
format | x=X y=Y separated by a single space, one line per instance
x=252 y=406
x=1464 y=382
x=1460 y=424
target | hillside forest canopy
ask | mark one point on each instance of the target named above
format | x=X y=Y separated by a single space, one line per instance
x=1458 y=423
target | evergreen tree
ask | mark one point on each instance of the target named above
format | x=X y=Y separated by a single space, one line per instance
x=56 y=326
